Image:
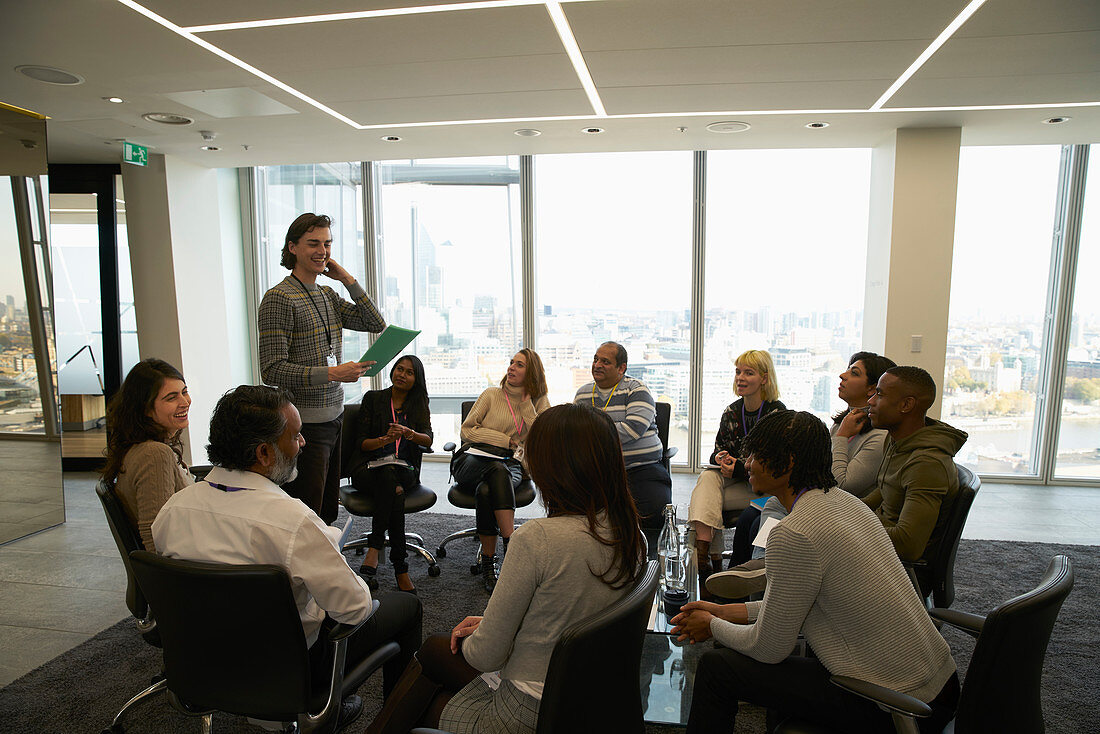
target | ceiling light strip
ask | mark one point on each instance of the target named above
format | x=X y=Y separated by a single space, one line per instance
x=236 y=62
x=360 y=14
x=570 y=43
x=725 y=113
x=941 y=39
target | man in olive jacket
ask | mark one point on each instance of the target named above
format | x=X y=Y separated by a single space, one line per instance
x=917 y=482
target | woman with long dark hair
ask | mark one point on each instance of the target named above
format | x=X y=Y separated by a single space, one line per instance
x=493 y=436
x=580 y=559
x=144 y=453
x=394 y=427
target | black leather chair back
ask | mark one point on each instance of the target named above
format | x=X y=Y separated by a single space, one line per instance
x=592 y=684
x=233 y=640
x=938 y=577
x=1004 y=679
x=127 y=540
x=664 y=416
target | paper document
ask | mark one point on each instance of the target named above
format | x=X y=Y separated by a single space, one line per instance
x=474 y=451
x=761 y=540
x=390 y=460
x=387 y=346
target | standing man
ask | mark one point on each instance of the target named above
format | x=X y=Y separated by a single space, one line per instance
x=917 y=481
x=301 y=345
x=631 y=406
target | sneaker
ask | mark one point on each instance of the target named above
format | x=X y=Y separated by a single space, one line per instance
x=740 y=581
x=350 y=708
x=489 y=572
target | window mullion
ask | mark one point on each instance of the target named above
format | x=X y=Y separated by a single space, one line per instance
x=698 y=314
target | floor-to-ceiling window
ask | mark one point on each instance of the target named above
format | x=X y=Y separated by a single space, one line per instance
x=786 y=244
x=613 y=242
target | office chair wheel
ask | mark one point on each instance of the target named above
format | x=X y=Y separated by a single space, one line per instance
x=440 y=552
x=434 y=570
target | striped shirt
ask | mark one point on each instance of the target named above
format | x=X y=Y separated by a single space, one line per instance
x=294 y=347
x=632 y=408
x=833 y=574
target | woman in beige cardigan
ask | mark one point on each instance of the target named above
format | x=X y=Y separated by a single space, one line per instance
x=144 y=460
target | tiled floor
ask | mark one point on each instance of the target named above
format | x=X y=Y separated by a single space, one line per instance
x=29 y=496
x=63 y=585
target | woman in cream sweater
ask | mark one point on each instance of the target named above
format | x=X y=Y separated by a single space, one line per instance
x=497 y=425
x=144 y=460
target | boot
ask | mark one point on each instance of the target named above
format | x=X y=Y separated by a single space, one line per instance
x=489 y=572
x=705 y=566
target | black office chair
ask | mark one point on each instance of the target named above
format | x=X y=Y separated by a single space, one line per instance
x=233 y=642
x=664 y=414
x=934 y=577
x=1003 y=683
x=593 y=682
x=362 y=503
x=128 y=540
x=460 y=497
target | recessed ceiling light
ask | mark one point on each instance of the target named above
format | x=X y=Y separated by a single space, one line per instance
x=527 y=132
x=390 y=138
x=167 y=118
x=1056 y=120
x=50 y=75
x=209 y=147
x=728 y=127
x=592 y=130
x=817 y=125
x=113 y=100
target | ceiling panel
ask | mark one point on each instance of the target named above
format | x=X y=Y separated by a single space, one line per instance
x=623 y=24
x=1024 y=17
x=716 y=97
x=755 y=64
x=440 y=37
x=469 y=107
x=205 y=12
x=1002 y=90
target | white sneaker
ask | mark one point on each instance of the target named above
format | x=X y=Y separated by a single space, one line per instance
x=740 y=581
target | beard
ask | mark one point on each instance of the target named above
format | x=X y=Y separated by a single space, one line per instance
x=285 y=469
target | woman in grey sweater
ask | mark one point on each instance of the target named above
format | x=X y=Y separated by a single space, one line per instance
x=579 y=560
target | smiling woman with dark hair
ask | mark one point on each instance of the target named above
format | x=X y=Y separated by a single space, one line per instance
x=144 y=460
x=833 y=576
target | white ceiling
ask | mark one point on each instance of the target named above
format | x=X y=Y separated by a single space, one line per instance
x=658 y=66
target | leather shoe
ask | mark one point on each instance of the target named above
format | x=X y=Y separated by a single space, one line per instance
x=369 y=573
x=350 y=708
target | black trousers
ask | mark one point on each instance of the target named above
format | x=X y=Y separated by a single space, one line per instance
x=389 y=507
x=797 y=687
x=500 y=477
x=399 y=619
x=748 y=525
x=318 y=482
x=651 y=487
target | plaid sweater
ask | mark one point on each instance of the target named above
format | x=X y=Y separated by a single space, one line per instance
x=293 y=348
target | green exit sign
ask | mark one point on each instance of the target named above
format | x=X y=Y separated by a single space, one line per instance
x=134 y=153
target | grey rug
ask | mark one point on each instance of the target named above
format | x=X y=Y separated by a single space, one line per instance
x=81 y=690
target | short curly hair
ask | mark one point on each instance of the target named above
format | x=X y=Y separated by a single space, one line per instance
x=244 y=419
x=299 y=227
x=794 y=440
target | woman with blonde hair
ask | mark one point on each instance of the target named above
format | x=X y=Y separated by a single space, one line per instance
x=493 y=435
x=726 y=486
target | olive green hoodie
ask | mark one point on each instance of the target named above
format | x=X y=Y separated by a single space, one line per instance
x=916 y=488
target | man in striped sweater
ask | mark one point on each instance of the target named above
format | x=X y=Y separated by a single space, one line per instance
x=834 y=576
x=301 y=344
x=631 y=406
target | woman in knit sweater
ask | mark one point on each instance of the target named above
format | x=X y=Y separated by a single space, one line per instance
x=144 y=459
x=393 y=427
x=835 y=577
x=496 y=428
x=488 y=674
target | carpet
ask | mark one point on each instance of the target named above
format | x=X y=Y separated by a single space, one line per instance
x=81 y=690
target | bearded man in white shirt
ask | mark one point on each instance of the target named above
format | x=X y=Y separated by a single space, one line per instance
x=241 y=515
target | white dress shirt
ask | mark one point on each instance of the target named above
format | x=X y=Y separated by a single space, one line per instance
x=257 y=522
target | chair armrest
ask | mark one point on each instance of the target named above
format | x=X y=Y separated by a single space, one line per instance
x=450 y=446
x=343 y=631
x=969 y=623
x=919 y=563
x=670 y=452
x=424 y=730
x=885 y=698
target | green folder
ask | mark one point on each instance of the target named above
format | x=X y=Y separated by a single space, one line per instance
x=387 y=346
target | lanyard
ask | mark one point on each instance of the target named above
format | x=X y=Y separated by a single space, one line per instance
x=324 y=321
x=393 y=412
x=517 y=423
x=226 y=488
x=744 y=420
x=608 y=397
x=799 y=496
